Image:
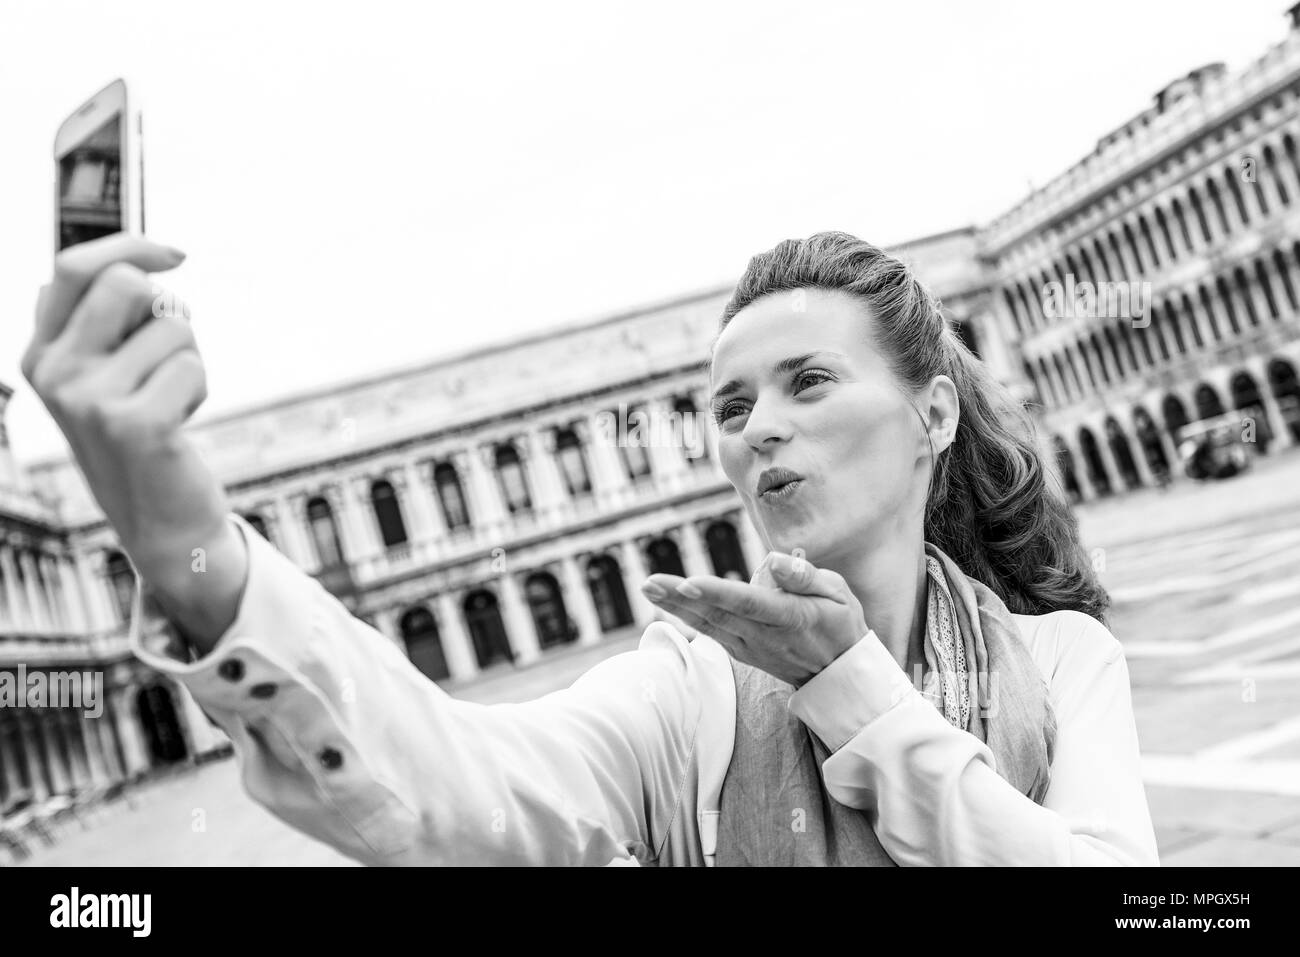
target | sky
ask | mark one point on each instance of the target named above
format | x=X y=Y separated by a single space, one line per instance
x=363 y=186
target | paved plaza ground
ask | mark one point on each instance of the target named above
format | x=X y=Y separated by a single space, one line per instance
x=1206 y=588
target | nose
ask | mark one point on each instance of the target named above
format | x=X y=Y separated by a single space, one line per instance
x=766 y=425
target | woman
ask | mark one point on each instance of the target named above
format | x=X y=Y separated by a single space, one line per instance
x=913 y=533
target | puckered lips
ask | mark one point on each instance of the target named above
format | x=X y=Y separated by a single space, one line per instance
x=777 y=482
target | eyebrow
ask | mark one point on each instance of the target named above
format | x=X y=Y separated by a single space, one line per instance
x=785 y=365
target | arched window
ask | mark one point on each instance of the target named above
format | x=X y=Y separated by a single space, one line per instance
x=510 y=473
x=605 y=579
x=1181 y=219
x=546 y=604
x=1175 y=415
x=1208 y=404
x=725 y=552
x=1133 y=248
x=389 y=513
x=1015 y=313
x=1284 y=274
x=665 y=558
x=568 y=450
x=1195 y=199
x=1270 y=169
x=450 y=495
x=1230 y=174
x=1162 y=223
x=121 y=577
x=1225 y=299
x=423 y=644
x=1243 y=288
x=1266 y=288
x=324 y=533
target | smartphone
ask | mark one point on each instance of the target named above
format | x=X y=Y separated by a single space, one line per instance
x=99 y=164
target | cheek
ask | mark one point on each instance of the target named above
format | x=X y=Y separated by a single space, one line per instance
x=871 y=444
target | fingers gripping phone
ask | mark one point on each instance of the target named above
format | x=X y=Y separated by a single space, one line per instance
x=99 y=189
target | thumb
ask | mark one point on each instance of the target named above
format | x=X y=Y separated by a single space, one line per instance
x=763 y=574
x=797 y=575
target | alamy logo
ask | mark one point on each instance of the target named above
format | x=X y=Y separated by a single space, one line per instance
x=102 y=910
x=1104 y=300
x=53 y=689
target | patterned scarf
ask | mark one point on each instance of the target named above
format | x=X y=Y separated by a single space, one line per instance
x=774 y=807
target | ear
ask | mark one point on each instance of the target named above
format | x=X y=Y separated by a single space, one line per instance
x=939 y=404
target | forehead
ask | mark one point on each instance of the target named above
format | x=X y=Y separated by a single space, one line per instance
x=792 y=322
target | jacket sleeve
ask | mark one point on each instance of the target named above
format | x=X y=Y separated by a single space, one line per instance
x=338 y=734
x=931 y=790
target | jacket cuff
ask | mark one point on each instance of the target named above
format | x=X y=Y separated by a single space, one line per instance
x=852 y=691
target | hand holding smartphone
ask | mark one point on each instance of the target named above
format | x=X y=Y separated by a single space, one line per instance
x=100 y=169
x=121 y=377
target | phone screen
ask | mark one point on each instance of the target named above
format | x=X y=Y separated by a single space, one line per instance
x=90 y=186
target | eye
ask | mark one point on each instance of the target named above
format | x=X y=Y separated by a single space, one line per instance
x=725 y=411
x=807 y=378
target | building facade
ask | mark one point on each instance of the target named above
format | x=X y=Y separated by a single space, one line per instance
x=489 y=509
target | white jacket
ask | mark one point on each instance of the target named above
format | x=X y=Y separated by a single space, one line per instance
x=337 y=733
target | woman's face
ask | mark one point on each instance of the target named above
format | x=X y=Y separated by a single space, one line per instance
x=798 y=384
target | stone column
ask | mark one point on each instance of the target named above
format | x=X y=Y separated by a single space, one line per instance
x=45 y=586
x=456 y=644
x=13 y=595
x=695 y=557
x=94 y=580
x=667 y=445
x=135 y=750
x=1259 y=301
x=634 y=575
x=106 y=730
x=417 y=508
x=609 y=478
x=364 y=517
x=78 y=766
x=579 y=602
x=427 y=492
x=386 y=623
x=40 y=614
x=1135 y=447
x=487 y=511
x=1117 y=484
x=10 y=779
x=55 y=759
x=1278 y=289
x=94 y=753
x=291 y=525
x=518 y=620
x=1130 y=271
x=545 y=481
x=76 y=602
x=34 y=755
x=343 y=509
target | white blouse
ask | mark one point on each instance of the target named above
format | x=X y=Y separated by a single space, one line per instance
x=337 y=733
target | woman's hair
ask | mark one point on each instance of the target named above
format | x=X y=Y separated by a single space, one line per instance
x=990 y=506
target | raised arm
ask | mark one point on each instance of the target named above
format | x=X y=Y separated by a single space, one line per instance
x=335 y=730
x=932 y=791
x=338 y=734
